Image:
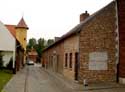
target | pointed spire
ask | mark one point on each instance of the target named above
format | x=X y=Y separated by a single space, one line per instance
x=22 y=24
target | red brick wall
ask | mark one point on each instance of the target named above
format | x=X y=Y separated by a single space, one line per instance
x=47 y=57
x=33 y=58
x=121 y=23
x=98 y=35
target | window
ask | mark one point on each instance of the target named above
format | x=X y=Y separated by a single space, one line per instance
x=70 y=60
x=66 y=57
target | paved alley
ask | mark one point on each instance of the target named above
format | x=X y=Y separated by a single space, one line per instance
x=36 y=79
x=33 y=79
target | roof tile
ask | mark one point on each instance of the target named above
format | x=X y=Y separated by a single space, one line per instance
x=22 y=24
x=12 y=30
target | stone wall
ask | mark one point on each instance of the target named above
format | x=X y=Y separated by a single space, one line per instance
x=97 y=47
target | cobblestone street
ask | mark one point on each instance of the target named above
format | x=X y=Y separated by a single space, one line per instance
x=35 y=79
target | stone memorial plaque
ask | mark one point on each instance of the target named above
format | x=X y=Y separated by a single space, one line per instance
x=98 y=61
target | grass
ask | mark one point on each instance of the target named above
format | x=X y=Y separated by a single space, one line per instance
x=5 y=76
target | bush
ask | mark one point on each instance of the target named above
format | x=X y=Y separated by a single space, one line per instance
x=1 y=61
x=1 y=64
x=10 y=64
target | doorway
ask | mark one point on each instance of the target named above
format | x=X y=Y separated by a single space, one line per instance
x=76 y=65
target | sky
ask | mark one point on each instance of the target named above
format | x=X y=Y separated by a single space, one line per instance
x=47 y=18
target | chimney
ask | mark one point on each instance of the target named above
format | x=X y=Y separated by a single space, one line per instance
x=83 y=16
x=57 y=38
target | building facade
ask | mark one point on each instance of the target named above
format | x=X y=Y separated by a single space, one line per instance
x=88 y=51
x=32 y=55
x=19 y=33
x=53 y=58
x=7 y=49
x=71 y=48
x=21 y=36
x=97 y=44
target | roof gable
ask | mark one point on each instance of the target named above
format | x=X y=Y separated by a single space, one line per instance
x=7 y=41
x=22 y=24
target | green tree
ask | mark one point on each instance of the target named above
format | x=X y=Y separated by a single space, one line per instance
x=31 y=44
x=39 y=47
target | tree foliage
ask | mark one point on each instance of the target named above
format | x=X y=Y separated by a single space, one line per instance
x=39 y=45
x=32 y=42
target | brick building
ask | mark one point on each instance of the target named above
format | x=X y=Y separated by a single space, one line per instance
x=121 y=30
x=32 y=55
x=88 y=51
x=52 y=58
x=19 y=32
x=98 y=46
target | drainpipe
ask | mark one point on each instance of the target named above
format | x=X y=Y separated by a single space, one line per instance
x=117 y=39
x=85 y=83
x=14 y=59
x=78 y=54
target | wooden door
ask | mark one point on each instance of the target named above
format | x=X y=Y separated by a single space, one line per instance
x=76 y=65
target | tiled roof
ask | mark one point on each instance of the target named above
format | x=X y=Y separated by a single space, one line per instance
x=22 y=24
x=32 y=53
x=12 y=30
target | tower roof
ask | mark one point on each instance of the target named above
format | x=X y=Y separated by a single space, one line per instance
x=22 y=24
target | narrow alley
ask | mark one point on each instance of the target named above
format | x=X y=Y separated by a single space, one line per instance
x=33 y=79
x=36 y=79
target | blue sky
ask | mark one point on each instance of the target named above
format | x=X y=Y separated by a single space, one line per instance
x=47 y=18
